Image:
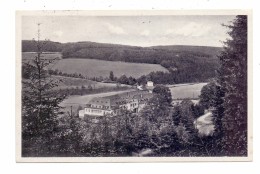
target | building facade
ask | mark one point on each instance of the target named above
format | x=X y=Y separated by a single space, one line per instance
x=111 y=105
x=149 y=86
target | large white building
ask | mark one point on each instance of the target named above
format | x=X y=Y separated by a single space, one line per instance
x=110 y=105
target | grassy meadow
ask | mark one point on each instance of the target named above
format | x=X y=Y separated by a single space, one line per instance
x=31 y=55
x=96 y=68
x=182 y=91
x=72 y=82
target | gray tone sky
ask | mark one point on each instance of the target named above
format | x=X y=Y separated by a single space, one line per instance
x=130 y=30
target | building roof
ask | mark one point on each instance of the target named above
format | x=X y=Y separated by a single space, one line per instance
x=100 y=101
x=119 y=99
x=144 y=95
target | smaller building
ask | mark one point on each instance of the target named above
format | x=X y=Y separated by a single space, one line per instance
x=150 y=86
x=81 y=113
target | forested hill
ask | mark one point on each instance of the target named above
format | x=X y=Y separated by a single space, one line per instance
x=48 y=46
x=116 y=51
x=196 y=49
x=192 y=63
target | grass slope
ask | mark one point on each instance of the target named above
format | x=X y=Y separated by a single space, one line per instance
x=182 y=91
x=27 y=56
x=96 y=68
x=69 y=82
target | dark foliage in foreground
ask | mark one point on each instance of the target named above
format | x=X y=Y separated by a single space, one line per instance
x=40 y=104
x=233 y=79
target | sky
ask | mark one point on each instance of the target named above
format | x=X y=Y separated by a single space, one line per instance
x=142 y=31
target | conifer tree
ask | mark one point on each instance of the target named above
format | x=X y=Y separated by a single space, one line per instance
x=234 y=82
x=40 y=103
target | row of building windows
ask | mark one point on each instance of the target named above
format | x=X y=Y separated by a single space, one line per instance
x=100 y=106
x=96 y=111
x=93 y=110
x=120 y=103
x=133 y=104
x=101 y=101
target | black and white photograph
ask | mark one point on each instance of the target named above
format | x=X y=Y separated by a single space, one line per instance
x=133 y=86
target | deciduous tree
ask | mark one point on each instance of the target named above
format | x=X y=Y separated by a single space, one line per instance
x=164 y=92
x=111 y=76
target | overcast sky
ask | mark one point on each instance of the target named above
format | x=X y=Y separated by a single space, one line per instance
x=132 y=30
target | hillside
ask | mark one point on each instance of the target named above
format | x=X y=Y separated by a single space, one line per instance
x=212 y=51
x=49 y=46
x=71 y=82
x=184 y=63
x=96 y=68
x=155 y=55
x=117 y=52
x=27 y=56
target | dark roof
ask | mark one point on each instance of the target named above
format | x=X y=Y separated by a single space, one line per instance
x=144 y=95
x=100 y=101
x=119 y=99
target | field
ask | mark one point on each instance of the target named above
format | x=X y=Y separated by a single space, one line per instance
x=96 y=68
x=31 y=55
x=182 y=91
x=69 y=82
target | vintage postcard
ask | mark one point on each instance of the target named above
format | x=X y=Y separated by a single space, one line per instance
x=133 y=86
